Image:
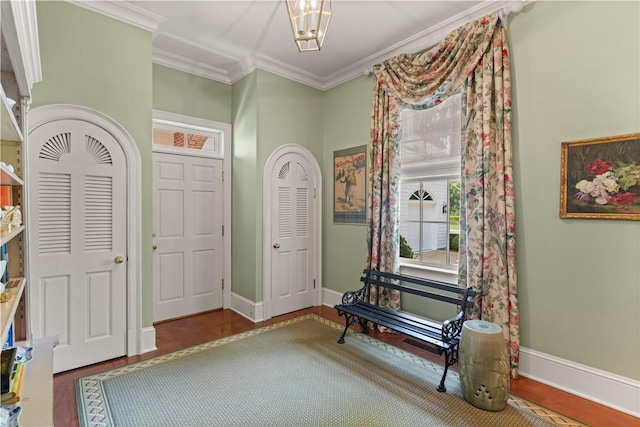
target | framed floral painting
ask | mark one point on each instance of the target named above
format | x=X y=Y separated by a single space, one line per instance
x=600 y=178
x=350 y=179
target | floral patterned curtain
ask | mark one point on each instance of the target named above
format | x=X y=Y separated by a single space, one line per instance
x=383 y=239
x=476 y=57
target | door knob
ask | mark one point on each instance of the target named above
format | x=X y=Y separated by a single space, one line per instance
x=118 y=259
x=276 y=245
x=154 y=247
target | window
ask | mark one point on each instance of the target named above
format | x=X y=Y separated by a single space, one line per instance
x=174 y=137
x=430 y=184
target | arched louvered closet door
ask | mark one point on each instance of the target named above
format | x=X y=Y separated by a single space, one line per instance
x=292 y=232
x=78 y=259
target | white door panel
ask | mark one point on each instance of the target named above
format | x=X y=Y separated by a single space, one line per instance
x=79 y=203
x=292 y=270
x=188 y=234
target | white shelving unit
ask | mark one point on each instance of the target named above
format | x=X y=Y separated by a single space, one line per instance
x=9 y=308
x=9 y=178
x=6 y=236
x=10 y=130
x=20 y=69
x=37 y=404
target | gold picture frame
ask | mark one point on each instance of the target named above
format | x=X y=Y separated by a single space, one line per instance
x=600 y=178
x=350 y=185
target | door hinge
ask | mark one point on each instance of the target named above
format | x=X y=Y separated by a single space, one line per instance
x=222 y=284
x=223 y=230
x=314 y=193
x=314 y=283
x=222 y=176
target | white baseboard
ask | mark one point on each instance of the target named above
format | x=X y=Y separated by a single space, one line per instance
x=614 y=391
x=331 y=297
x=149 y=339
x=253 y=311
x=605 y=388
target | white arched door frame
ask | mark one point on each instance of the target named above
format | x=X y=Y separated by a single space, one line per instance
x=267 y=206
x=49 y=113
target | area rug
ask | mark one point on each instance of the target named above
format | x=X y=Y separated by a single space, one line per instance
x=292 y=373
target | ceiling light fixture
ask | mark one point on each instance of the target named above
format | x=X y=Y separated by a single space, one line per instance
x=309 y=22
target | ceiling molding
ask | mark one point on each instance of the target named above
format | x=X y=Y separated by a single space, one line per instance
x=124 y=12
x=20 y=29
x=243 y=68
x=187 y=65
x=249 y=62
x=421 y=41
x=292 y=73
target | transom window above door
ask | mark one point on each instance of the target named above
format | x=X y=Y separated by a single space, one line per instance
x=181 y=138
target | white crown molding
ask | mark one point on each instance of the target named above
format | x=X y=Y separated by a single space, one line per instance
x=243 y=68
x=202 y=69
x=423 y=40
x=416 y=43
x=20 y=29
x=285 y=70
x=187 y=65
x=123 y=11
x=247 y=63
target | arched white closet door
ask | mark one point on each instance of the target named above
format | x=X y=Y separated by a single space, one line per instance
x=78 y=259
x=292 y=232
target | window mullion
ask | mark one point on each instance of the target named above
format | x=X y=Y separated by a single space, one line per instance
x=448 y=230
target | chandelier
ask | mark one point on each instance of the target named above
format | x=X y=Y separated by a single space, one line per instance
x=309 y=22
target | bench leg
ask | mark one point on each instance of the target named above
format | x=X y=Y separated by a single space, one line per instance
x=341 y=339
x=447 y=361
x=365 y=326
x=348 y=321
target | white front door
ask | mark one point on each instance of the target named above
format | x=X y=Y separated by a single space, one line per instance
x=78 y=259
x=187 y=223
x=292 y=233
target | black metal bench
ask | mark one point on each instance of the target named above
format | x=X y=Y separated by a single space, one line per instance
x=444 y=336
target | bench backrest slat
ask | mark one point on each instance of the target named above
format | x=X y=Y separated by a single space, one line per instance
x=432 y=295
x=375 y=277
x=416 y=280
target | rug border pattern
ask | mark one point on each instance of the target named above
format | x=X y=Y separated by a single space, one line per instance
x=94 y=411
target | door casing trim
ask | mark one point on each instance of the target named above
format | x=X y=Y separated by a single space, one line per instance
x=55 y=112
x=267 y=205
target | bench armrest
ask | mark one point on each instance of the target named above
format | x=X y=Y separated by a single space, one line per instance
x=452 y=328
x=354 y=297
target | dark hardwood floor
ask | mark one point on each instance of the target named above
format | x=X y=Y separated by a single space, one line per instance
x=182 y=333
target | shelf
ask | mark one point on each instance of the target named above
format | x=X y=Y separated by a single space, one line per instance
x=9 y=130
x=8 y=309
x=5 y=236
x=9 y=178
x=36 y=398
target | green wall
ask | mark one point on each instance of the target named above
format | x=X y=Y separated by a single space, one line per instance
x=268 y=111
x=183 y=93
x=288 y=113
x=245 y=193
x=576 y=74
x=347 y=118
x=103 y=64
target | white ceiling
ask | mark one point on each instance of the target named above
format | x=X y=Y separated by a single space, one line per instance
x=225 y=40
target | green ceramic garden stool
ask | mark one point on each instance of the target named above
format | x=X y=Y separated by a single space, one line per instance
x=484 y=365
